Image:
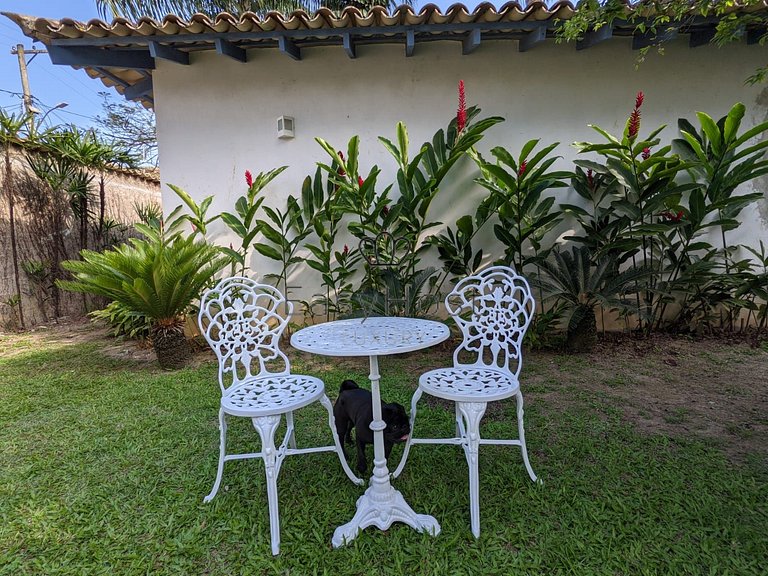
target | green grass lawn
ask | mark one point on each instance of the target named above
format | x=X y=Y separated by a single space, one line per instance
x=104 y=463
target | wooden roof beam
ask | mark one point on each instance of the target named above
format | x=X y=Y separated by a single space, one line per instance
x=98 y=57
x=701 y=37
x=594 y=37
x=288 y=46
x=471 y=41
x=651 y=38
x=226 y=48
x=349 y=45
x=532 y=38
x=410 y=43
x=754 y=35
x=163 y=52
x=139 y=90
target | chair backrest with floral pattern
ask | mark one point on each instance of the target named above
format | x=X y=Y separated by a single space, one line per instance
x=493 y=308
x=241 y=320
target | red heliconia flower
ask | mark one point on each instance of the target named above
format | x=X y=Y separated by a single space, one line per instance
x=360 y=181
x=521 y=170
x=461 y=113
x=248 y=178
x=646 y=153
x=590 y=178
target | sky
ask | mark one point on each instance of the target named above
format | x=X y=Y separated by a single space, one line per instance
x=52 y=85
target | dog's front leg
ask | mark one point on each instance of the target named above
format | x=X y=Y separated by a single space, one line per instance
x=342 y=431
x=387 y=449
x=361 y=462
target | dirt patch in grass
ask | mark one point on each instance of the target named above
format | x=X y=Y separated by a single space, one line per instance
x=713 y=389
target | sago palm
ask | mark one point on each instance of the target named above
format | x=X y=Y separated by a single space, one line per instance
x=581 y=284
x=157 y=277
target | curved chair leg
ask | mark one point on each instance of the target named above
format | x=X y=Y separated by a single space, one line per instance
x=222 y=453
x=521 y=432
x=266 y=427
x=289 y=423
x=407 y=449
x=337 y=442
x=473 y=412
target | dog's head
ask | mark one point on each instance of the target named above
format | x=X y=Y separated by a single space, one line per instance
x=398 y=426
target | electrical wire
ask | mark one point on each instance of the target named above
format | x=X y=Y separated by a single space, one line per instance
x=89 y=97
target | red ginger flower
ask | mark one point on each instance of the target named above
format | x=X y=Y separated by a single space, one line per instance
x=461 y=113
x=521 y=170
x=672 y=217
x=634 y=124
x=248 y=178
x=634 y=118
x=341 y=171
x=385 y=211
x=646 y=153
x=346 y=250
x=360 y=181
x=590 y=178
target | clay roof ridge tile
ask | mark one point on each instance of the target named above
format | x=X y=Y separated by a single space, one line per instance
x=275 y=18
x=403 y=12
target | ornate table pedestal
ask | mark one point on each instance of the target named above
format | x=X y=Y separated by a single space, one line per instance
x=381 y=504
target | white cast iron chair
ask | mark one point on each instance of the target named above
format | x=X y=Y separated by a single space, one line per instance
x=241 y=321
x=493 y=310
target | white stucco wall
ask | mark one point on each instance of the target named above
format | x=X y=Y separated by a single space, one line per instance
x=217 y=117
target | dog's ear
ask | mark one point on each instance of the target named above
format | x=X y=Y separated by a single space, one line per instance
x=392 y=409
x=348 y=385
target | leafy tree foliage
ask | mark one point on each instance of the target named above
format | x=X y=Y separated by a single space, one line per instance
x=735 y=19
x=129 y=127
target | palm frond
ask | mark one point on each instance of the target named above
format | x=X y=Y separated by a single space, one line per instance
x=157 y=277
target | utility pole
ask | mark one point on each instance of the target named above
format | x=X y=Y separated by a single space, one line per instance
x=21 y=53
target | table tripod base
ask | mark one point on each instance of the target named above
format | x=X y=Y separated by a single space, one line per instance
x=381 y=510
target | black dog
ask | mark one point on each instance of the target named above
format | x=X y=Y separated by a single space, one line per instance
x=354 y=408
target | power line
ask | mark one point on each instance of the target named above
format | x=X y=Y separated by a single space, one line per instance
x=9 y=36
x=81 y=115
x=73 y=88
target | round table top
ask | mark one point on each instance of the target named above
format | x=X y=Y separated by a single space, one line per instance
x=372 y=336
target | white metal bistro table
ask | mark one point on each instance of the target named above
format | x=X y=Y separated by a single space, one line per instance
x=381 y=505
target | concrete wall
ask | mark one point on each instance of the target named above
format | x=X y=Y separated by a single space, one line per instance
x=217 y=117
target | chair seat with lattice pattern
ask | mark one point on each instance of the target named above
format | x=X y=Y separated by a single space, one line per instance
x=242 y=322
x=493 y=309
x=469 y=384
x=272 y=395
